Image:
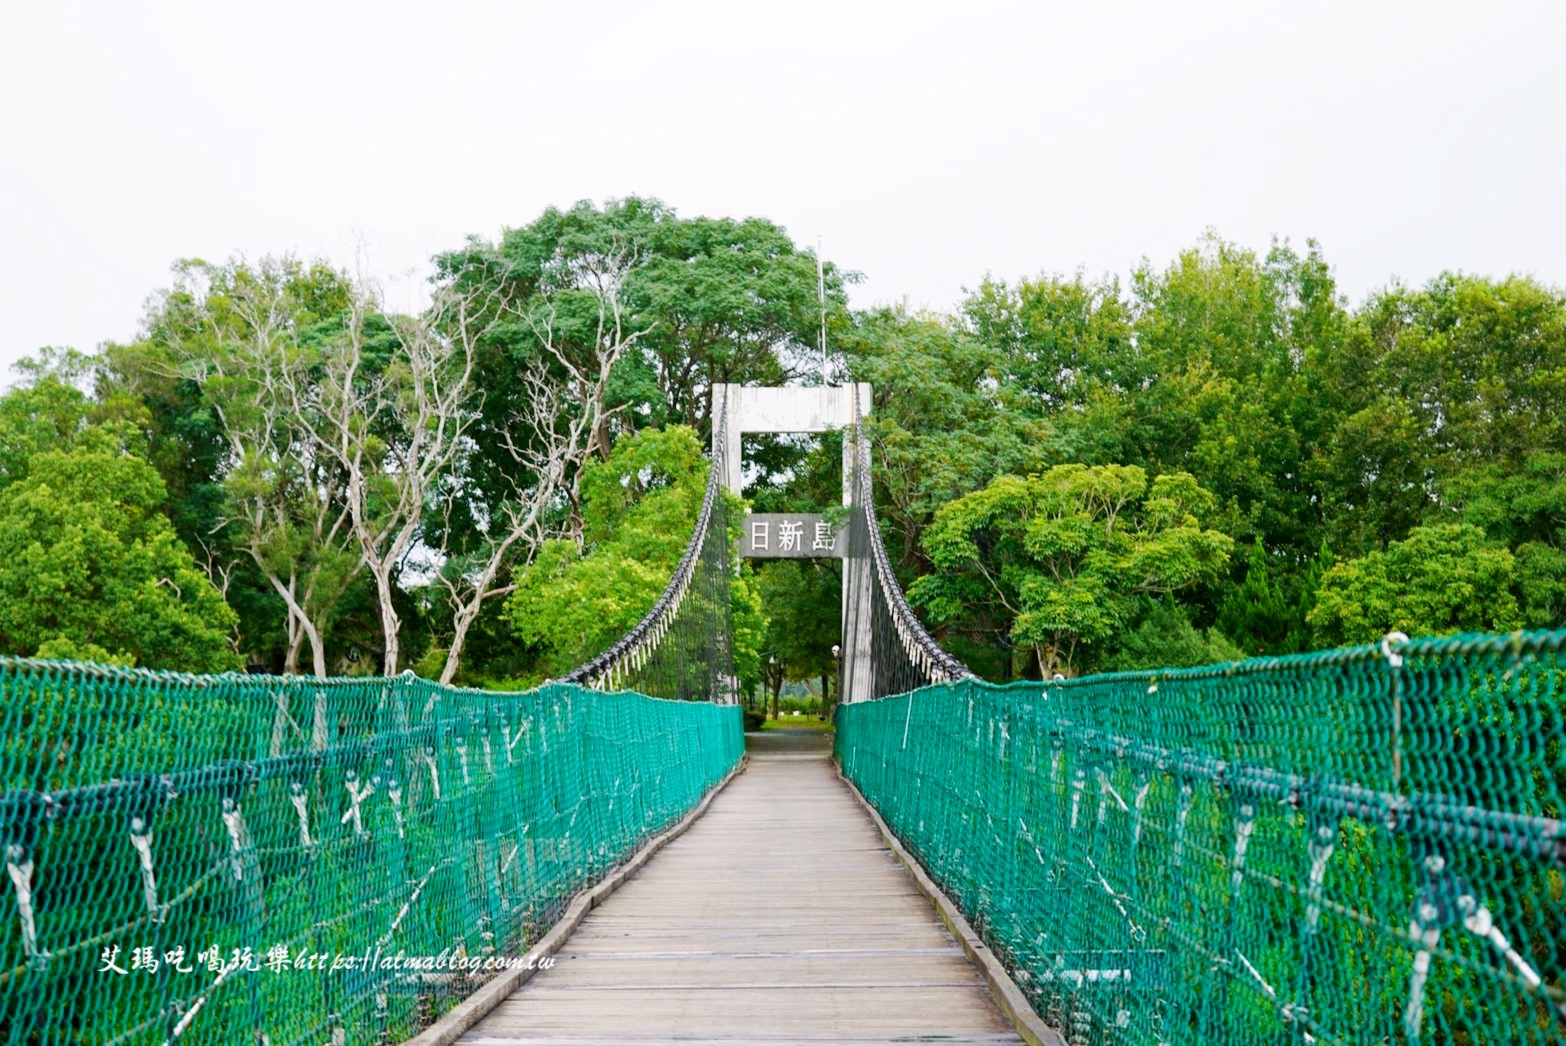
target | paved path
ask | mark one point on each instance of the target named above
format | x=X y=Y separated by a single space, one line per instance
x=779 y=916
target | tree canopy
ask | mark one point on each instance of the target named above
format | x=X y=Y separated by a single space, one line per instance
x=1438 y=580
x=1216 y=455
x=90 y=567
x=1061 y=557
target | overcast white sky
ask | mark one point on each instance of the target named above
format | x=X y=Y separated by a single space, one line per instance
x=926 y=144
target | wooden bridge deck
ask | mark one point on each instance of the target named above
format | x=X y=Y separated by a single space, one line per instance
x=779 y=916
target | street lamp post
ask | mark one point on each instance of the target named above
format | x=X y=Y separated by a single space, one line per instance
x=772 y=681
x=837 y=671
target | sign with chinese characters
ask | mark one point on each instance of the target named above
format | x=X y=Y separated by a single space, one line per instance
x=791 y=535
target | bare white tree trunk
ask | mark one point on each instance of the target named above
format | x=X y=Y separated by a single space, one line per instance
x=396 y=433
x=296 y=636
x=287 y=507
x=558 y=429
x=338 y=457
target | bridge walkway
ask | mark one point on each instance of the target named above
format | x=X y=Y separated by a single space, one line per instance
x=780 y=915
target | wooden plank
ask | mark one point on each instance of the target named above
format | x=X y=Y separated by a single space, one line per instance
x=849 y=969
x=718 y=1039
x=779 y=916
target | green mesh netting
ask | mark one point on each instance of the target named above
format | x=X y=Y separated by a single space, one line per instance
x=184 y=829
x=1357 y=846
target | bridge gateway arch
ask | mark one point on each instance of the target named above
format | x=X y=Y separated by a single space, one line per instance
x=682 y=648
x=788 y=410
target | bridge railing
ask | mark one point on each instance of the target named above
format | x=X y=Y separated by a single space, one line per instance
x=1361 y=845
x=242 y=858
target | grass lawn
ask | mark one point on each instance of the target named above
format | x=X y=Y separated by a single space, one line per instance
x=797 y=722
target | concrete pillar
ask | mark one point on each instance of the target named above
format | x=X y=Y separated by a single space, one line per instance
x=858 y=578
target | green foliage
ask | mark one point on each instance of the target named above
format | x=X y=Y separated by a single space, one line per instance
x=1541 y=584
x=1315 y=427
x=747 y=620
x=1065 y=555
x=711 y=299
x=62 y=649
x=1321 y=431
x=638 y=509
x=807 y=705
x=941 y=429
x=1465 y=373
x=1163 y=637
x=1526 y=509
x=1256 y=613
x=193 y=374
x=1441 y=579
x=803 y=602
x=190 y=326
x=34 y=419
x=1061 y=338
x=1202 y=368
x=88 y=559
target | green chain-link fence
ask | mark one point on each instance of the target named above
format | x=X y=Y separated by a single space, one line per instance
x=1358 y=846
x=226 y=859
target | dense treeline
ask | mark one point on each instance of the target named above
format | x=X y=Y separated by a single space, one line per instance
x=1386 y=467
x=1221 y=457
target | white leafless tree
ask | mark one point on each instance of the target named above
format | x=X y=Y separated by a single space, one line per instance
x=283 y=502
x=563 y=420
x=282 y=499
x=338 y=456
x=397 y=431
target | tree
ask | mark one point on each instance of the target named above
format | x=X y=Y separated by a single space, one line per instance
x=556 y=424
x=718 y=300
x=638 y=508
x=1060 y=342
x=1163 y=637
x=732 y=301
x=1431 y=384
x=1210 y=365
x=1064 y=556
x=1526 y=510
x=347 y=433
x=89 y=565
x=940 y=427
x=225 y=339
x=394 y=419
x=1205 y=366
x=41 y=416
x=803 y=602
x=1441 y=579
x=1256 y=613
x=747 y=624
x=250 y=338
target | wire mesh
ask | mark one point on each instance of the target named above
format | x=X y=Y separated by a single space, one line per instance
x=1356 y=846
x=184 y=863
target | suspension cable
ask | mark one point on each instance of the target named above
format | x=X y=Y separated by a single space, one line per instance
x=915 y=659
x=688 y=665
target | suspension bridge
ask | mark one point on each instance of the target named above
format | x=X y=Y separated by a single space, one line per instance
x=1355 y=846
